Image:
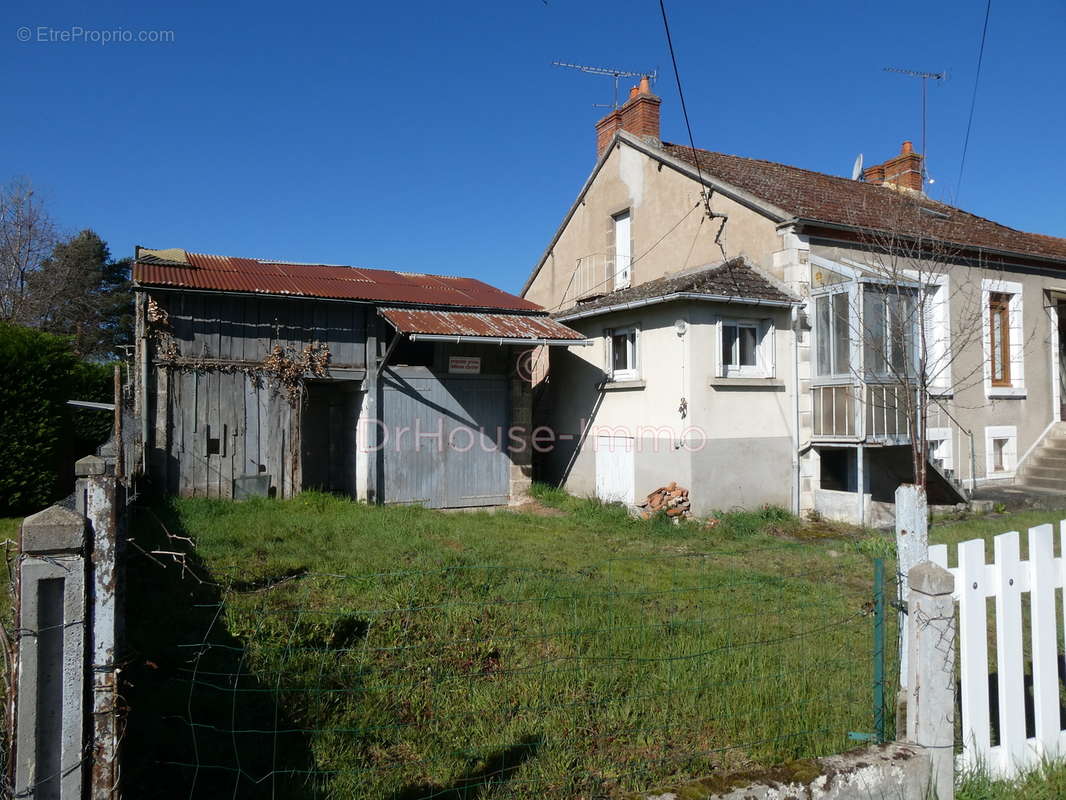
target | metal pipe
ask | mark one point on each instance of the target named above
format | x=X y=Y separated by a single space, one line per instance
x=795 y=320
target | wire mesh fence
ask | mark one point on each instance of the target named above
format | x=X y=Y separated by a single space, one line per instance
x=512 y=678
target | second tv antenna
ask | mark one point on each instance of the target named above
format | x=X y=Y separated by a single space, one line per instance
x=925 y=77
x=613 y=73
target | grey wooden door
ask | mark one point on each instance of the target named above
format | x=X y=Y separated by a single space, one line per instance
x=444 y=440
x=476 y=458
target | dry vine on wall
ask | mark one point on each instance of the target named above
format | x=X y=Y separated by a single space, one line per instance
x=284 y=369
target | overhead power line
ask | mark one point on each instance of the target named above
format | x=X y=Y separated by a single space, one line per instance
x=973 y=99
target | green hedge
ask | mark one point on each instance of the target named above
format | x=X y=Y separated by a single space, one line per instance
x=40 y=435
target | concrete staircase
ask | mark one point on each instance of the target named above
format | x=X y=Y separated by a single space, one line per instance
x=1046 y=466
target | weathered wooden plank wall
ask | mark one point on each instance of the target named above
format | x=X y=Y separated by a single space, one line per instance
x=247 y=328
x=216 y=424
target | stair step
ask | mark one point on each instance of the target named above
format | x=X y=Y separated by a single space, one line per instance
x=1042 y=471
x=1049 y=458
x=1056 y=484
x=1055 y=444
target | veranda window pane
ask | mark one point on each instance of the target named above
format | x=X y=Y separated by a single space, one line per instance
x=823 y=334
x=841 y=334
x=901 y=341
x=874 y=331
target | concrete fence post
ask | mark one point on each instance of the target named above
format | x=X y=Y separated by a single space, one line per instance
x=912 y=548
x=931 y=672
x=51 y=665
x=99 y=490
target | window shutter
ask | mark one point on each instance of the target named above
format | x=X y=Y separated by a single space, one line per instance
x=768 y=352
x=719 y=366
x=608 y=352
x=1017 y=336
x=636 y=352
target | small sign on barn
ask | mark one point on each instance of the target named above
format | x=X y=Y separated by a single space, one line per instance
x=464 y=365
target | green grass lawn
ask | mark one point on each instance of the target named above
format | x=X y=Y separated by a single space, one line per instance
x=321 y=648
x=340 y=650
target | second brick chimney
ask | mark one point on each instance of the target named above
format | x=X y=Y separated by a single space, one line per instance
x=639 y=115
x=903 y=171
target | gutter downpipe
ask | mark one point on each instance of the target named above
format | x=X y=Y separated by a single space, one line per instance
x=795 y=320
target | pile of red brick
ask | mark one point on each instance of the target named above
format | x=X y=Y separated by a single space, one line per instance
x=671 y=500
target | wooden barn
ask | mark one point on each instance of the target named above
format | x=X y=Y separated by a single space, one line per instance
x=258 y=377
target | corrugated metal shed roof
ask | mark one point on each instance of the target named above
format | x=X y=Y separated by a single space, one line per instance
x=181 y=269
x=489 y=326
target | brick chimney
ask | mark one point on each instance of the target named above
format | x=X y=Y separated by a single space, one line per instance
x=903 y=172
x=639 y=115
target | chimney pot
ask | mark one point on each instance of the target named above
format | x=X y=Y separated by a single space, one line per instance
x=639 y=115
x=902 y=171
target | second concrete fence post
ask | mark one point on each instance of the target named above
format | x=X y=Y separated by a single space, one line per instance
x=930 y=645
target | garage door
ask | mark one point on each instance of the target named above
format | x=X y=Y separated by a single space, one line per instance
x=445 y=440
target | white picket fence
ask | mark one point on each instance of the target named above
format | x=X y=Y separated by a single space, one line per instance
x=1006 y=580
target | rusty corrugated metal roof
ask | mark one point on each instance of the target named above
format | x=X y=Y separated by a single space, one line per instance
x=226 y=274
x=489 y=326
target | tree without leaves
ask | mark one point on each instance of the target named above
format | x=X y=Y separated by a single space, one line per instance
x=27 y=236
x=922 y=279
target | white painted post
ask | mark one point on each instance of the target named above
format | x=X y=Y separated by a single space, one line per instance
x=1009 y=655
x=1042 y=584
x=931 y=678
x=912 y=548
x=974 y=588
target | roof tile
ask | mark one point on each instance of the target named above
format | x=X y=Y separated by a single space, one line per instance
x=839 y=201
x=734 y=279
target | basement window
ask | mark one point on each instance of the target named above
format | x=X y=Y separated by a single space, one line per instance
x=1001 y=449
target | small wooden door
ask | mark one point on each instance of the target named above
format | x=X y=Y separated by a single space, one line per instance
x=615 y=470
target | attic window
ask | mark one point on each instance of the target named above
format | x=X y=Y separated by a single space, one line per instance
x=932 y=212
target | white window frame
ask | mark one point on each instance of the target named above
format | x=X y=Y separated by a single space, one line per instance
x=946 y=451
x=1010 y=451
x=623 y=249
x=765 y=352
x=631 y=373
x=1016 y=331
x=937 y=323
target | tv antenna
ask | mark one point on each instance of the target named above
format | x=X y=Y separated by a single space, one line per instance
x=609 y=71
x=926 y=77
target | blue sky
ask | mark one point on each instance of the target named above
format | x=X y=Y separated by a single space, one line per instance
x=436 y=136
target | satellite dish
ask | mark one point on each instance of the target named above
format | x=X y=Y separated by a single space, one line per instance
x=856 y=170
